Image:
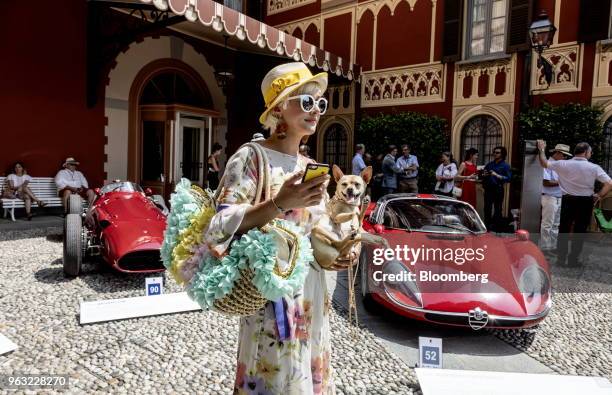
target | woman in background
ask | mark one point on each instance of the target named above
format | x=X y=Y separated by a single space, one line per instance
x=467 y=177
x=445 y=174
x=17 y=188
x=212 y=176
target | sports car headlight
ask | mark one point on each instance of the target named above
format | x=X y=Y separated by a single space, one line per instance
x=396 y=278
x=534 y=281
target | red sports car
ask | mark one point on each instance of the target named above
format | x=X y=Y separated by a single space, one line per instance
x=442 y=266
x=125 y=227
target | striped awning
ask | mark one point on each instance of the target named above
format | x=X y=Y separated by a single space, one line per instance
x=224 y=20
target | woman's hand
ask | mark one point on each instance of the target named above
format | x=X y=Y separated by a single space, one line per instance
x=351 y=259
x=297 y=195
x=290 y=196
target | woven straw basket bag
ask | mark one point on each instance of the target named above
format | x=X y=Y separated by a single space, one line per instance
x=264 y=264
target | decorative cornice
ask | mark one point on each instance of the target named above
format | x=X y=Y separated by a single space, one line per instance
x=403 y=86
x=278 y=6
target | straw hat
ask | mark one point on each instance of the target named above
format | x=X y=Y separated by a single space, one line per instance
x=284 y=79
x=70 y=161
x=563 y=148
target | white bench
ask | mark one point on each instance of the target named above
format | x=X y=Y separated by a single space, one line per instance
x=43 y=187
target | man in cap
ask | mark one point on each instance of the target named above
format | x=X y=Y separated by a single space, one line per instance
x=70 y=181
x=577 y=180
x=551 y=200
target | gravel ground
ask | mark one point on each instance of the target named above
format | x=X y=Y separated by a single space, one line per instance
x=181 y=353
x=576 y=337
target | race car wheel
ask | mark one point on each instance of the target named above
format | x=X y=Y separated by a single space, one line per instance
x=75 y=204
x=73 y=252
x=368 y=301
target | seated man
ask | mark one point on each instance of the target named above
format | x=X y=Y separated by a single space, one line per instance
x=69 y=181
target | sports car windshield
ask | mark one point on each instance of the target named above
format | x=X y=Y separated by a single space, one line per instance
x=124 y=186
x=430 y=215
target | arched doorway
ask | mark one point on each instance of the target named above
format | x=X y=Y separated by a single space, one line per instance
x=484 y=133
x=171 y=119
x=335 y=145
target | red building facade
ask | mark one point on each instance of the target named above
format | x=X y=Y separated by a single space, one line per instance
x=133 y=89
x=463 y=60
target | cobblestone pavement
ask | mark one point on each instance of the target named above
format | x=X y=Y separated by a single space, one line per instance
x=576 y=337
x=181 y=353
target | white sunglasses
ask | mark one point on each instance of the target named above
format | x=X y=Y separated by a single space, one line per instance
x=307 y=102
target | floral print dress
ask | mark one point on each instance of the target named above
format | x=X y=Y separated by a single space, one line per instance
x=299 y=361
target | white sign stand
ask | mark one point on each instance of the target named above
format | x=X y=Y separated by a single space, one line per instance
x=140 y=306
x=6 y=345
x=154 y=286
x=472 y=382
x=430 y=352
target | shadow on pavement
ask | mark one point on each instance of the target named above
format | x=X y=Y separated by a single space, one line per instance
x=55 y=237
x=98 y=276
x=106 y=280
x=10 y=235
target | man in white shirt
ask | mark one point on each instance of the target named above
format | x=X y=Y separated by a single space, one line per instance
x=358 y=162
x=70 y=181
x=576 y=180
x=551 y=200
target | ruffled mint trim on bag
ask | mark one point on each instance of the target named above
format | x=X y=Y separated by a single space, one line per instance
x=183 y=206
x=257 y=251
x=261 y=251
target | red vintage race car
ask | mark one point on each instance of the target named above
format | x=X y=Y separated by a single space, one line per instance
x=124 y=226
x=442 y=266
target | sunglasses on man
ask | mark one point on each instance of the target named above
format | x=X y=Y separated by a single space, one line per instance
x=308 y=103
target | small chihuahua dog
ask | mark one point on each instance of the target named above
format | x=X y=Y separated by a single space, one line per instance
x=335 y=233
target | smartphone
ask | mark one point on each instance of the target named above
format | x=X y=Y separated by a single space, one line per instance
x=314 y=170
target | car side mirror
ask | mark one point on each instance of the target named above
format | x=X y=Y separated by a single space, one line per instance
x=97 y=191
x=379 y=228
x=148 y=192
x=522 y=235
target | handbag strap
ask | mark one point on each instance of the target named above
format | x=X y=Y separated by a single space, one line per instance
x=263 y=178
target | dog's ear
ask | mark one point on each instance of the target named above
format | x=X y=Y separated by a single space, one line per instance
x=366 y=174
x=338 y=174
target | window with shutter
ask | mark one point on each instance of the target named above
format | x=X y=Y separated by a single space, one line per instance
x=594 y=20
x=451 y=45
x=519 y=20
x=486 y=27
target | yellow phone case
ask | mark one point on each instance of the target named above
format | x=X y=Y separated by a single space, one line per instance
x=314 y=170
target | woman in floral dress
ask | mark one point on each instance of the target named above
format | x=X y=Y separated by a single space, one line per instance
x=285 y=347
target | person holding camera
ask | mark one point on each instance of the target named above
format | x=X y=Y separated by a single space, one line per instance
x=577 y=178
x=551 y=200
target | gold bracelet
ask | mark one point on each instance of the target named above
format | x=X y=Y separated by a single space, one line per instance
x=280 y=209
